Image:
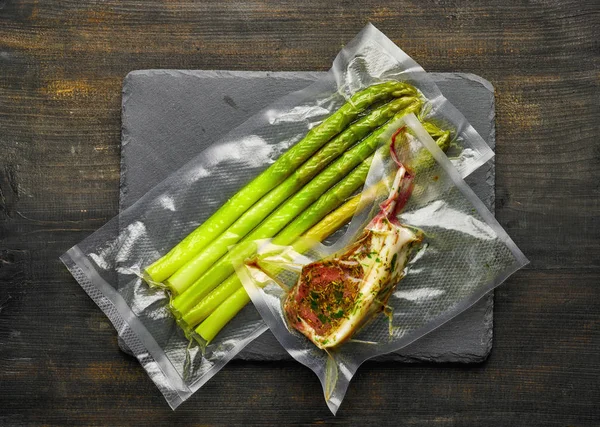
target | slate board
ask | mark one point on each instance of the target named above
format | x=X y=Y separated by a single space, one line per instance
x=169 y=116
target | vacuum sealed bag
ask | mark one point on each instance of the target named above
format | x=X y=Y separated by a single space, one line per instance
x=162 y=270
x=421 y=249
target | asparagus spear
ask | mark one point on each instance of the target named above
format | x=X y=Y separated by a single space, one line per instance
x=212 y=301
x=222 y=304
x=275 y=174
x=223 y=314
x=193 y=269
x=282 y=216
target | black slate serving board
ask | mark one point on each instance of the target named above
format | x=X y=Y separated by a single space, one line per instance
x=168 y=116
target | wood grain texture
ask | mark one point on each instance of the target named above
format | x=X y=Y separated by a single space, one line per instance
x=61 y=70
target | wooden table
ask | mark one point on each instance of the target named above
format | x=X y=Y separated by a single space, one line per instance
x=61 y=70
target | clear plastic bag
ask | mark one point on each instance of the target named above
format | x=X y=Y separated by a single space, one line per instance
x=453 y=253
x=109 y=264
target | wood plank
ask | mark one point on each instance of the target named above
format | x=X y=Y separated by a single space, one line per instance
x=61 y=70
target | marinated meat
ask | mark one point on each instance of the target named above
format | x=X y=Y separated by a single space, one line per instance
x=336 y=295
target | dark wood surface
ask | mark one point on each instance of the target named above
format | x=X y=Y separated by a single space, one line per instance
x=61 y=70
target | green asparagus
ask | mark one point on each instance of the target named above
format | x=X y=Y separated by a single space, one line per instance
x=270 y=178
x=281 y=217
x=186 y=275
x=223 y=315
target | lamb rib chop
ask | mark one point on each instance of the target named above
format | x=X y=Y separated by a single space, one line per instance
x=336 y=295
